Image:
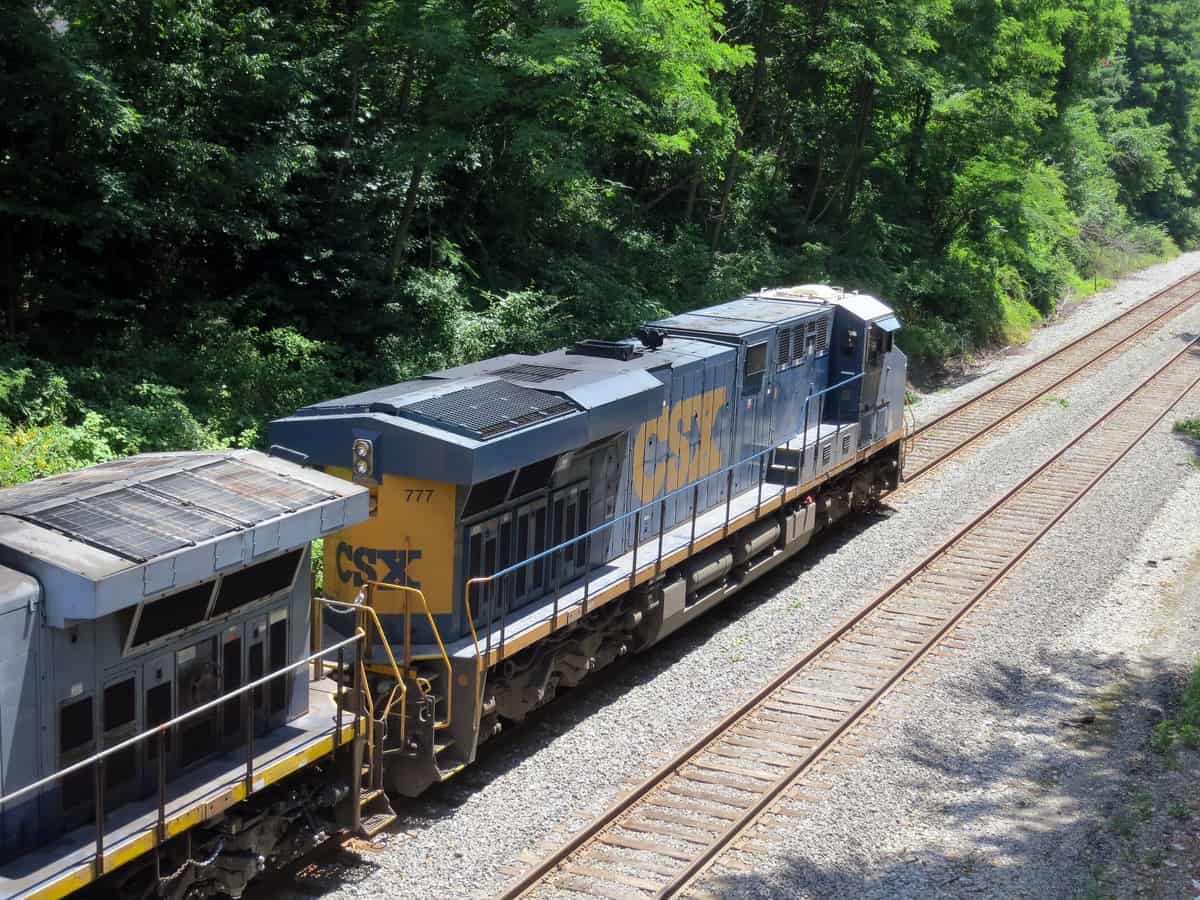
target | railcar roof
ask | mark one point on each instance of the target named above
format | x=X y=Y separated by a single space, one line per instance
x=17 y=590
x=161 y=521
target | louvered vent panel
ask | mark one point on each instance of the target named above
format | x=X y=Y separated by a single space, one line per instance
x=822 y=329
x=530 y=372
x=491 y=409
x=784 y=353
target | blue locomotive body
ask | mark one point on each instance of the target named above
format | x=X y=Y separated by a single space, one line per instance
x=538 y=516
x=494 y=532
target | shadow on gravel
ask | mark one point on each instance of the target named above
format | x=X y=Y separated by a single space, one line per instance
x=1049 y=803
x=573 y=706
x=338 y=862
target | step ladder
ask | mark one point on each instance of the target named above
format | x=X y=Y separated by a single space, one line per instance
x=443 y=757
x=375 y=811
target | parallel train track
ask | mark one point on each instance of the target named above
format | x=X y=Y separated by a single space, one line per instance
x=659 y=838
x=952 y=432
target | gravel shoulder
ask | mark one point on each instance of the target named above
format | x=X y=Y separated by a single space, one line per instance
x=1072 y=321
x=937 y=779
x=1022 y=768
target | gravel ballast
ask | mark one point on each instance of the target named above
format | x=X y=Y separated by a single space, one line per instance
x=931 y=783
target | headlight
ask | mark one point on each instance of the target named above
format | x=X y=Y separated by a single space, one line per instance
x=363 y=454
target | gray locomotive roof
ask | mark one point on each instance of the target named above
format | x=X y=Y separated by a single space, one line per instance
x=115 y=532
x=738 y=318
x=466 y=424
x=861 y=306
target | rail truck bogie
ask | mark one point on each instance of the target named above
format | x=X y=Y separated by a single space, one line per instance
x=178 y=712
x=701 y=453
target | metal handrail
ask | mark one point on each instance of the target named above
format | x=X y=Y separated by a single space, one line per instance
x=400 y=685
x=479 y=579
x=658 y=501
x=408 y=642
x=165 y=726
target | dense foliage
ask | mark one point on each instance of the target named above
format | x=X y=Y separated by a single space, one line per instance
x=213 y=211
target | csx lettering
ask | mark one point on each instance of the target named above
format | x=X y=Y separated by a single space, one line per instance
x=687 y=428
x=358 y=565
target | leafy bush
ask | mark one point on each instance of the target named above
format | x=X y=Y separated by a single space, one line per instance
x=217 y=386
x=41 y=450
x=1184 y=727
x=1189 y=427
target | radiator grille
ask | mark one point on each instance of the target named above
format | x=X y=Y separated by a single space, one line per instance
x=186 y=488
x=532 y=373
x=261 y=485
x=92 y=524
x=491 y=409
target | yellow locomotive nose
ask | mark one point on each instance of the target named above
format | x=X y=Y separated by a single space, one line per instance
x=534 y=518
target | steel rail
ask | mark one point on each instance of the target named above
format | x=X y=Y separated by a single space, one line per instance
x=981 y=401
x=1069 y=487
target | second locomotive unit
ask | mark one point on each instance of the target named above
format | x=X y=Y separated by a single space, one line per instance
x=178 y=713
x=533 y=518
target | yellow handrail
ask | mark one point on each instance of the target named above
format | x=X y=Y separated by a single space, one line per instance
x=400 y=685
x=408 y=637
x=471 y=582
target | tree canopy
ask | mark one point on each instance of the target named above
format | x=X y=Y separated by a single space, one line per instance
x=215 y=210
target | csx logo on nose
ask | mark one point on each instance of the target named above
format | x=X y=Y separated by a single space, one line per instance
x=362 y=564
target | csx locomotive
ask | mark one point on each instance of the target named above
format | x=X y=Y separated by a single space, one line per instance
x=177 y=712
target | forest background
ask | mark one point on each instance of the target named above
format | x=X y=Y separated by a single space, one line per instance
x=213 y=211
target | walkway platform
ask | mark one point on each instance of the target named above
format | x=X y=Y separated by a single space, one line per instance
x=529 y=623
x=68 y=864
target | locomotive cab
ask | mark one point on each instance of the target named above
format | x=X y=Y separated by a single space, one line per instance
x=536 y=517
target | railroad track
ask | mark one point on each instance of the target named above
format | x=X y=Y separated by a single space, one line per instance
x=947 y=435
x=660 y=837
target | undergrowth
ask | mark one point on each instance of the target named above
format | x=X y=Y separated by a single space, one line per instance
x=1184 y=727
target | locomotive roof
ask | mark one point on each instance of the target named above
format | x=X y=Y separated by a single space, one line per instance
x=739 y=318
x=112 y=533
x=468 y=423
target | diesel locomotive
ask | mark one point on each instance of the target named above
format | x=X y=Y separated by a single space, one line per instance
x=179 y=712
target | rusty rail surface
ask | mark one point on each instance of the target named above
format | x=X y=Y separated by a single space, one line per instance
x=946 y=436
x=659 y=838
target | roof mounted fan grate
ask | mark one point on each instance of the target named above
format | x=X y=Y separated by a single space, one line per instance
x=491 y=409
x=530 y=372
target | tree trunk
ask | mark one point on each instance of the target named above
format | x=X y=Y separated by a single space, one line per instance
x=406 y=217
x=348 y=143
x=731 y=164
x=916 y=137
x=693 y=189
x=352 y=115
x=731 y=168
x=816 y=185
x=663 y=195
x=11 y=283
x=866 y=92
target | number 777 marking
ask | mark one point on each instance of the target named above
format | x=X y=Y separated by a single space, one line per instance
x=418 y=495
